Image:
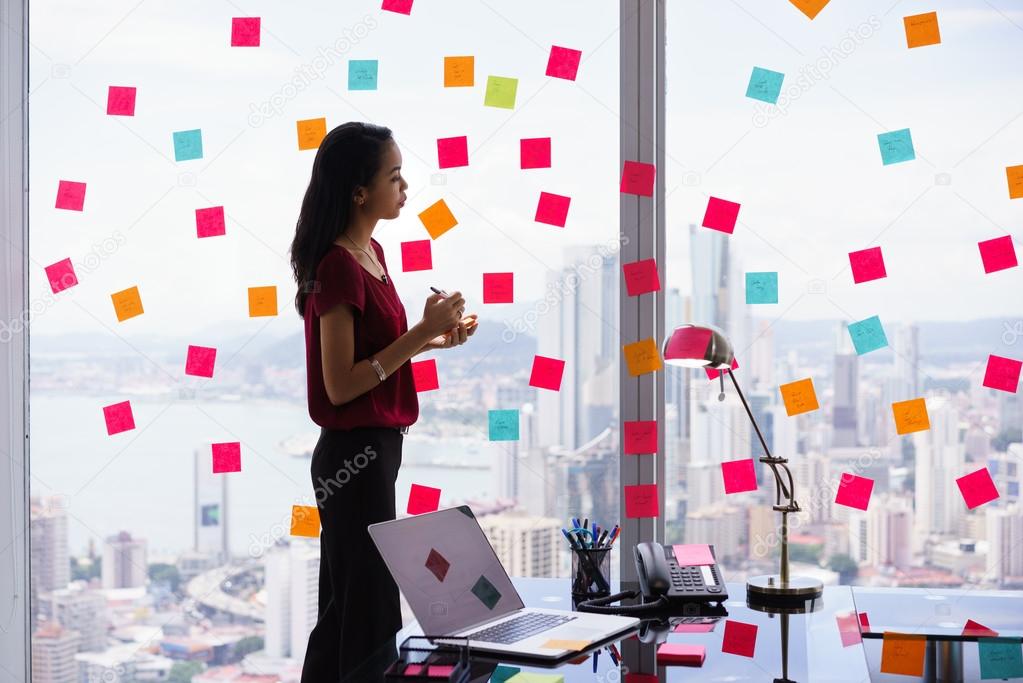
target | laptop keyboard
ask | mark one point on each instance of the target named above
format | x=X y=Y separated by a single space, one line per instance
x=519 y=628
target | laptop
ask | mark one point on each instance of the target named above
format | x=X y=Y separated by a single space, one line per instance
x=456 y=586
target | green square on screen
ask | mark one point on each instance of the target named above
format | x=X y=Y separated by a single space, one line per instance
x=362 y=74
x=504 y=425
x=761 y=288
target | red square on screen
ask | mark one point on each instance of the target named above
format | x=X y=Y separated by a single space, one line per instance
x=640 y=501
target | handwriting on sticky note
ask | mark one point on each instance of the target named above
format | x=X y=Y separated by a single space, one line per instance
x=1014 y=175
x=641 y=501
x=1000 y=658
x=311 y=132
x=459 y=72
x=642 y=357
x=641 y=277
x=903 y=653
x=762 y=288
x=127 y=303
x=187 y=144
x=262 y=301
x=638 y=178
x=362 y=74
x=911 y=416
x=896 y=146
x=799 y=397
x=498 y=288
x=504 y=425
x=640 y=437
x=764 y=85
x=922 y=29
x=305 y=521
x=868 y=335
x=437 y=219
x=500 y=92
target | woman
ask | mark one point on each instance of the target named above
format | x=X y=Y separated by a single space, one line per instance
x=360 y=388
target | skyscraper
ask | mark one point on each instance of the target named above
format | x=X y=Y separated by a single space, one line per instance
x=907 y=361
x=526 y=545
x=1005 y=545
x=50 y=560
x=53 y=655
x=210 y=527
x=844 y=431
x=939 y=461
x=124 y=562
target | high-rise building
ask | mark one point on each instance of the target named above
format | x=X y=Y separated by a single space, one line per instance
x=527 y=546
x=53 y=654
x=939 y=461
x=124 y=562
x=1007 y=472
x=210 y=521
x=50 y=560
x=276 y=584
x=844 y=428
x=305 y=573
x=1005 y=545
x=906 y=352
x=882 y=536
x=81 y=610
x=291 y=571
x=722 y=525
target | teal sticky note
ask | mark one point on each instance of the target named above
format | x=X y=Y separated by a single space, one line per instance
x=502 y=673
x=362 y=74
x=896 y=146
x=761 y=288
x=504 y=425
x=187 y=145
x=868 y=335
x=1000 y=658
x=765 y=85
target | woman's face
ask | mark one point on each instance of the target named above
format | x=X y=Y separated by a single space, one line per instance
x=386 y=193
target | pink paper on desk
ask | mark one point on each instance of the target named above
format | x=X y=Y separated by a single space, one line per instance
x=641 y=501
x=977 y=488
x=972 y=628
x=692 y=554
x=694 y=628
x=640 y=437
x=739 y=639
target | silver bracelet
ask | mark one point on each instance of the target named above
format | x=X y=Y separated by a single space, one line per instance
x=379 y=368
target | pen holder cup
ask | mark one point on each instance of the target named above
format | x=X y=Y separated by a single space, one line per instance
x=591 y=573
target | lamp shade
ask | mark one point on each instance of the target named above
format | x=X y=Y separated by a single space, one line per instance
x=696 y=346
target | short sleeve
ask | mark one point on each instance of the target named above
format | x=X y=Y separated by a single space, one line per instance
x=338 y=281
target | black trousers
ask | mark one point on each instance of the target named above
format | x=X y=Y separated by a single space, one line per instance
x=353 y=473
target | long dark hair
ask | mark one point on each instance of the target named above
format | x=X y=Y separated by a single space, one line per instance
x=348 y=156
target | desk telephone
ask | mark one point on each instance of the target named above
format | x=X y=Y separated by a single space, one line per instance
x=660 y=574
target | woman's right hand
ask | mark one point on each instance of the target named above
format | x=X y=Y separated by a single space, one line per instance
x=441 y=314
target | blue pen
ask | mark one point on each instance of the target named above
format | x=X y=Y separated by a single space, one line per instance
x=570 y=543
x=595 y=534
x=596 y=656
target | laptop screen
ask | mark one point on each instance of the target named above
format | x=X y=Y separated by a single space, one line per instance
x=446 y=568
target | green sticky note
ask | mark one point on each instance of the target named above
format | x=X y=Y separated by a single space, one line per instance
x=502 y=673
x=868 y=335
x=501 y=92
x=1000 y=658
x=504 y=425
x=187 y=145
x=486 y=592
x=530 y=677
x=761 y=288
x=362 y=74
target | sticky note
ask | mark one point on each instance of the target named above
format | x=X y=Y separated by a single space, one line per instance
x=535 y=153
x=531 y=677
x=997 y=254
x=199 y=361
x=640 y=437
x=799 y=397
x=641 y=678
x=227 y=457
x=61 y=275
x=977 y=488
x=416 y=255
x=442 y=671
x=262 y=301
x=437 y=218
x=121 y=100
x=498 y=288
x=127 y=303
x=739 y=638
x=311 y=132
x=896 y=147
x=867 y=265
x=693 y=628
x=688 y=342
x=693 y=554
x=973 y=628
x=848 y=629
x=642 y=357
x=911 y=416
x=245 y=31
x=503 y=673
x=1002 y=373
x=811 y=8
x=680 y=653
x=868 y=335
x=362 y=74
x=118 y=417
x=1014 y=175
x=437 y=564
x=903 y=653
x=486 y=592
x=762 y=288
x=187 y=144
x=453 y=152
x=712 y=373
x=641 y=277
x=563 y=62
x=305 y=521
x=739 y=476
x=764 y=85
x=422 y=499
x=638 y=178
x=397 y=6
x=209 y=222
x=1000 y=658
x=500 y=92
x=641 y=501
x=459 y=72
x=504 y=425
x=558 y=644
x=424 y=375
x=864 y=621
x=546 y=373
x=854 y=491
x=70 y=195
x=721 y=215
x=922 y=29
x=552 y=209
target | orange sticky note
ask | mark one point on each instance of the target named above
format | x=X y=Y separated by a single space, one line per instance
x=810 y=8
x=437 y=219
x=127 y=303
x=305 y=521
x=911 y=416
x=642 y=357
x=1014 y=174
x=922 y=29
x=903 y=653
x=311 y=133
x=262 y=301
x=799 y=397
x=555 y=644
x=459 y=72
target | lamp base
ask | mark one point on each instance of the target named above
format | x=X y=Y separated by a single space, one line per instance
x=768 y=591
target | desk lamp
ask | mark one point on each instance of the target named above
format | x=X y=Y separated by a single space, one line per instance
x=693 y=346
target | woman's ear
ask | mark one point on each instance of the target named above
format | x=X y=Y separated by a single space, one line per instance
x=359 y=196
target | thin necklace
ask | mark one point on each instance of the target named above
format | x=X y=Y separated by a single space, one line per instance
x=383 y=275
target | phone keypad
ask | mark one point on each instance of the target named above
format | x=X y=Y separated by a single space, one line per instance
x=691 y=579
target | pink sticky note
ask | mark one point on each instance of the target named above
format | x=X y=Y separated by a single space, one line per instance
x=739 y=638
x=972 y=628
x=563 y=62
x=397 y=6
x=70 y=195
x=848 y=629
x=413 y=670
x=440 y=671
x=638 y=178
x=498 y=288
x=535 y=153
x=721 y=215
x=1002 y=373
x=713 y=373
x=422 y=499
x=694 y=628
x=416 y=255
x=854 y=491
x=61 y=275
x=120 y=101
x=977 y=488
x=864 y=622
x=681 y=653
x=245 y=32
x=424 y=375
x=452 y=152
x=641 y=678
x=200 y=361
x=118 y=417
x=640 y=437
x=867 y=265
x=641 y=277
x=693 y=554
x=739 y=475
x=688 y=342
x=227 y=457
x=641 y=501
x=997 y=254
x=546 y=373
x=552 y=209
x=209 y=222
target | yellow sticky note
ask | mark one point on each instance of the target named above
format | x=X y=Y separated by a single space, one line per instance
x=556 y=644
x=922 y=29
x=305 y=521
x=1014 y=174
x=799 y=396
x=903 y=653
x=911 y=416
x=262 y=301
x=437 y=219
x=642 y=357
x=127 y=303
x=810 y=8
x=459 y=72
x=311 y=133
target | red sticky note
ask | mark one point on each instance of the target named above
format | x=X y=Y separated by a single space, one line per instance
x=972 y=628
x=867 y=265
x=641 y=277
x=70 y=195
x=118 y=417
x=498 y=288
x=739 y=475
x=199 y=361
x=977 y=488
x=854 y=491
x=680 y=653
x=864 y=622
x=641 y=501
x=245 y=32
x=227 y=457
x=997 y=254
x=422 y=499
x=739 y=638
x=424 y=375
x=552 y=209
x=693 y=554
x=416 y=255
x=713 y=374
x=546 y=373
x=209 y=222
x=688 y=342
x=721 y=215
x=638 y=178
x=563 y=62
x=641 y=678
x=397 y=6
x=535 y=153
x=452 y=152
x=640 y=437
x=848 y=629
x=61 y=275
x=1002 y=373
x=120 y=101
